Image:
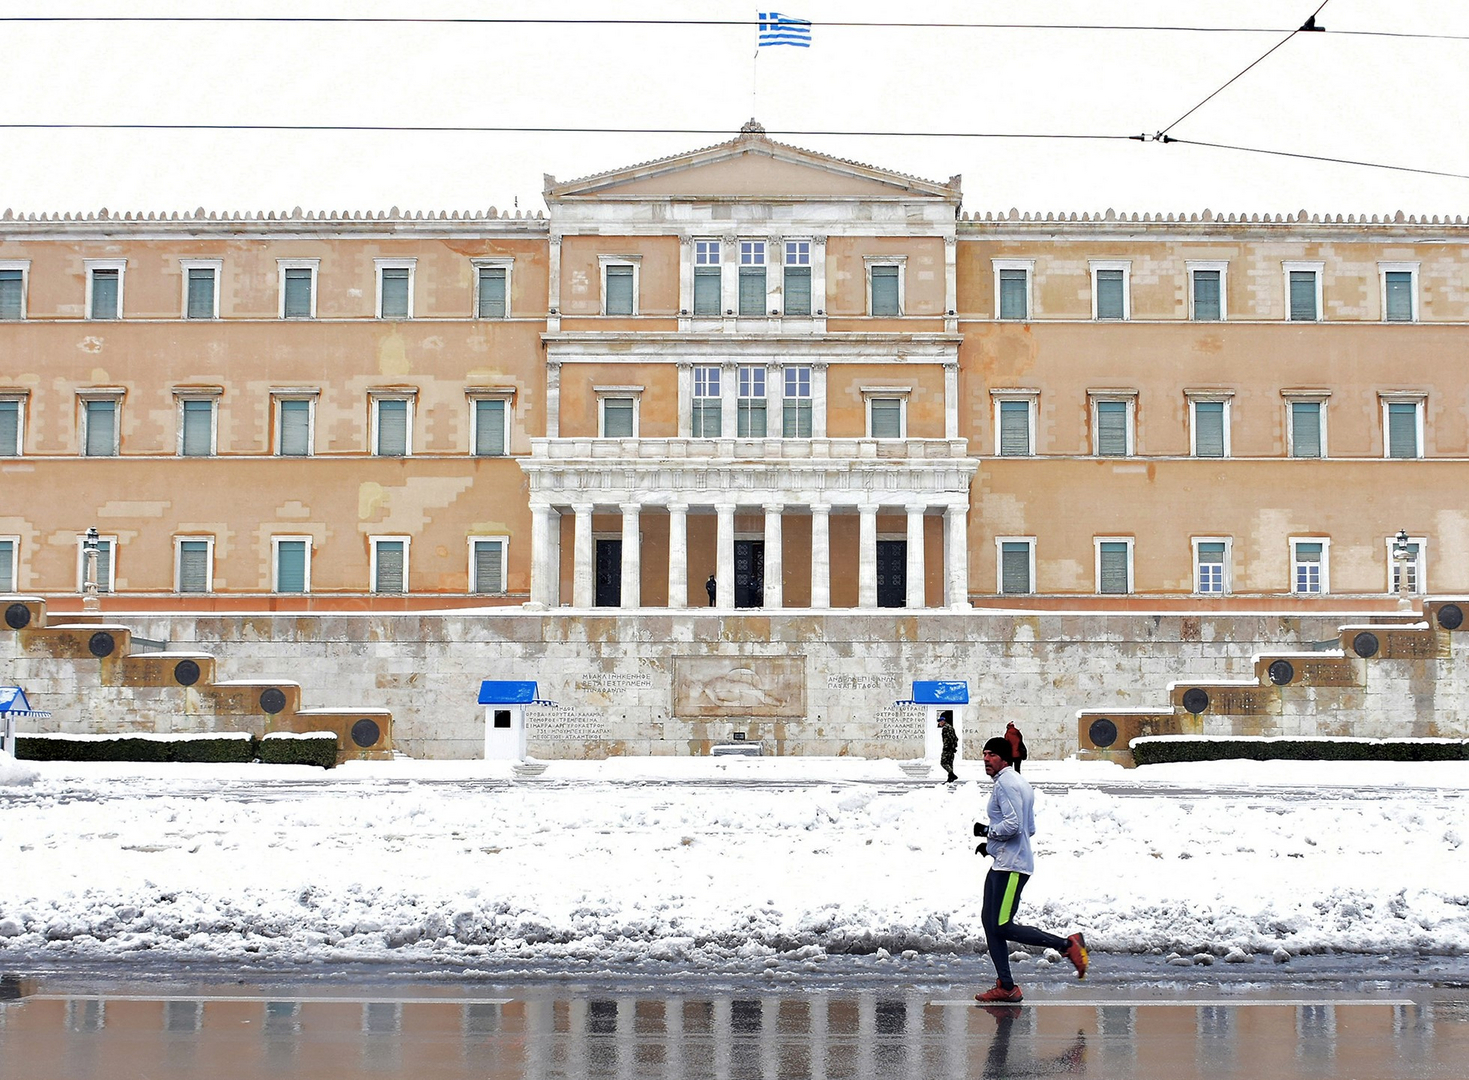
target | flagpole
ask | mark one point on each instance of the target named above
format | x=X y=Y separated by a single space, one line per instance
x=755 y=82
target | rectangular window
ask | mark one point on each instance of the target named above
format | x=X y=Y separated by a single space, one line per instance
x=1209 y=567
x=389 y=565
x=1016 y=567
x=487 y=566
x=1014 y=429
x=1114 y=566
x=395 y=288
x=1398 y=295
x=1402 y=428
x=106 y=287
x=10 y=427
x=199 y=301
x=8 y=565
x=298 y=292
x=1210 y=428
x=1414 y=565
x=493 y=296
x=1207 y=296
x=294 y=426
x=292 y=564
x=392 y=416
x=490 y=415
x=750 y=407
x=1014 y=294
x=196 y=427
x=796 y=404
x=1112 y=428
x=886 y=418
x=752 y=277
x=617 y=418
x=12 y=292
x=194 y=556
x=106 y=563
x=1308 y=560
x=1110 y=281
x=707 y=280
x=798 y=277
x=1307 y=429
x=1303 y=293
x=619 y=289
x=706 y=418
x=886 y=298
x=99 y=427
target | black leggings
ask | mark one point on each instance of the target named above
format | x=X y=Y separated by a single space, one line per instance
x=1001 y=901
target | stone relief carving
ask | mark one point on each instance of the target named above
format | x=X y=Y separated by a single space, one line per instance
x=765 y=686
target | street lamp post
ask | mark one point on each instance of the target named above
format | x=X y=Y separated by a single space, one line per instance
x=90 y=600
x=1402 y=553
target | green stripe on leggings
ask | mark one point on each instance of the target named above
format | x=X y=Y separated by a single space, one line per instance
x=1007 y=905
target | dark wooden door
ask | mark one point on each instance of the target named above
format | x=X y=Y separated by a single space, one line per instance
x=749 y=573
x=892 y=573
x=609 y=573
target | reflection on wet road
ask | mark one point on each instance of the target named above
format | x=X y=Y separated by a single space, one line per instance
x=244 y=1033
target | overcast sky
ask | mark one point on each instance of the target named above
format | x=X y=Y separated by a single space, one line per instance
x=1398 y=101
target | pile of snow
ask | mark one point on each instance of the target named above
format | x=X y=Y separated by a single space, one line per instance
x=742 y=863
x=14 y=773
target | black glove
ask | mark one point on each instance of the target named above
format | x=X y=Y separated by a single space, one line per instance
x=983 y=849
x=981 y=829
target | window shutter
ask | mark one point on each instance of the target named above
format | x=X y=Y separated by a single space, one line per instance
x=193 y=566
x=797 y=418
x=1305 y=422
x=9 y=429
x=104 y=566
x=1112 y=428
x=290 y=572
x=751 y=418
x=1399 y=296
x=197 y=422
x=201 y=293
x=706 y=290
x=101 y=428
x=392 y=428
x=1114 y=567
x=617 y=418
x=887 y=418
x=1109 y=294
x=489 y=428
x=395 y=292
x=752 y=290
x=104 y=294
x=885 y=290
x=12 y=283
x=1209 y=429
x=798 y=290
x=298 y=293
x=7 y=566
x=1206 y=295
x=1402 y=423
x=488 y=571
x=1012 y=294
x=1303 y=295
x=619 y=290
x=492 y=303
x=389 y=567
x=1015 y=568
x=295 y=428
x=1014 y=428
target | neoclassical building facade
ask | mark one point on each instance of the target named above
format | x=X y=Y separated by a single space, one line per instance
x=748 y=377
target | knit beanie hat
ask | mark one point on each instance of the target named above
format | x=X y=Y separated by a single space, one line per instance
x=1001 y=749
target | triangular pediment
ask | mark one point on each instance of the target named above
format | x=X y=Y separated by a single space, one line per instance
x=754 y=167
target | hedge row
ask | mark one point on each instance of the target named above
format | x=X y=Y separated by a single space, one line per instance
x=185 y=748
x=1162 y=749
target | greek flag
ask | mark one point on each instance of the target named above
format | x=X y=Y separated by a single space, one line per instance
x=778 y=29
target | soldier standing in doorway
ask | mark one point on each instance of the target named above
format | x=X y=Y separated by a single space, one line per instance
x=712 y=588
x=951 y=743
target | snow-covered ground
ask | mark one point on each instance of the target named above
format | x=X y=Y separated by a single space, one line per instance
x=719 y=863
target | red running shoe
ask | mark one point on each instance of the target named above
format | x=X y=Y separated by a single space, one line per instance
x=997 y=994
x=1077 y=954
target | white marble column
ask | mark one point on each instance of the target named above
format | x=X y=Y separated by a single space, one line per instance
x=685 y=399
x=951 y=286
x=724 y=572
x=820 y=556
x=818 y=399
x=553 y=399
x=956 y=518
x=541 y=569
x=774 y=572
x=729 y=396
x=915 y=569
x=678 y=555
x=951 y=399
x=553 y=294
x=632 y=556
x=775 y=385
x=583 y=559
x=867 y=555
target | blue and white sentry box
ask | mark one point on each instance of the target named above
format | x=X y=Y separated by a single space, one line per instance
x=14 y=707
x=943 y=696
x=505 y=703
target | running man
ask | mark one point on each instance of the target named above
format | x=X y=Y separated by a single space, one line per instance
x=1011 y=814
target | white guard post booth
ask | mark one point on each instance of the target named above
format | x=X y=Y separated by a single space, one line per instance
x=505 y=704
x=941 y=698
x=14 y=707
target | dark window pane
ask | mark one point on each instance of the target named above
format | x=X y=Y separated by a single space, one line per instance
x=617 y=418
x=1209 y=429
x=706 y=290
x=1305 y=417
x=1402 y=429
x=885 y=290
x=201 y=293
x=298 y=293
x=492 y=300
x=1303 y=296
x=619 y=290
x=291 y=566
x=1012 y=294
x=1112 y=428
x=1114 y=567
x=198 y=419
x=798 y=290
x=1015 y=567
x=1014 y=428
x=1206 y=295
x=489 y=428
x=295 y=428
x=395 y=292
x=752 y=290
x=12 y=285
x=1109 y=295
x=105 y=285
x=392 y=428
x=887 y=418
x=1399 y=296
x=101 y=428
